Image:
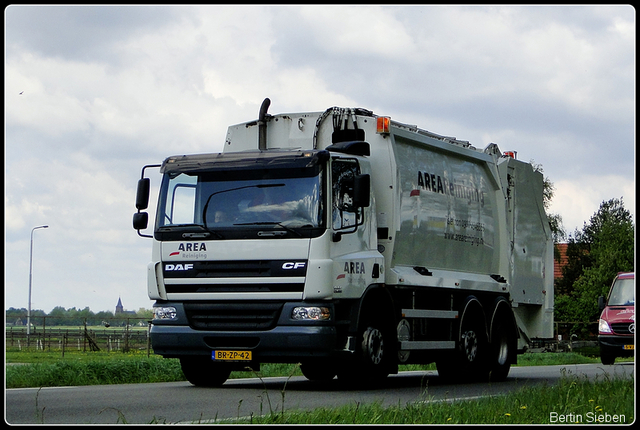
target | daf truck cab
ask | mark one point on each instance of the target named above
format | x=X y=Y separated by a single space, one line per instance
x=617 y=325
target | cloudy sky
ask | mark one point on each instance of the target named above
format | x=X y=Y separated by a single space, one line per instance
x=94 y=93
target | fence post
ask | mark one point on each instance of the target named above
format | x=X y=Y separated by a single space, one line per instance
x=44 y=332
x=126 y=337
x=148 y=338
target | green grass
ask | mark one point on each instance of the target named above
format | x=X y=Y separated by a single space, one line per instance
x=97 y=371
x=50 y=369
x=47 y=369
x=555 y=358
x=574 y=399
x=32 y=357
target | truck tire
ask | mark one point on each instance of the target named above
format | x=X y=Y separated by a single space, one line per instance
x=469 y=361
x=503 y=341
x=374 y=355
x=318 y=371
x=203 y=372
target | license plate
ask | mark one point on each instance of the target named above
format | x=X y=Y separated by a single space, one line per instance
x=231 y=355
x=627 y=347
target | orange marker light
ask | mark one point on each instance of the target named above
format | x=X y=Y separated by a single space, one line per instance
x=383 y=124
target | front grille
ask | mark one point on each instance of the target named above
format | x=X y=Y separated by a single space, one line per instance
x=622 y=328
x=233 y=316
x=235 y=269
x=235 y=288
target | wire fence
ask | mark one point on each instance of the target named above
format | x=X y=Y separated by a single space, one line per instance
x=577 y=330
x=47 y=333
x=570 y=336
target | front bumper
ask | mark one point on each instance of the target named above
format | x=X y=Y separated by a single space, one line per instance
x=281 y=344
x=618 y=346
x=265 y=329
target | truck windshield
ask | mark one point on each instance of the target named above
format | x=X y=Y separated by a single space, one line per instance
x=218 y=204
x=623 y=293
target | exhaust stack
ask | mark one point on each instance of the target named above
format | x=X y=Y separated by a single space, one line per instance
x=262 y=125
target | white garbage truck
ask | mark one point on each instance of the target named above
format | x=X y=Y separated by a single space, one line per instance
x=351 y=244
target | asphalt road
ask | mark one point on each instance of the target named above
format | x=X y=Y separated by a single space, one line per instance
x=180 y=402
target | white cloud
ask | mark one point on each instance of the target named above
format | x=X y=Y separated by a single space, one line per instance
x=579 y=199
x=356 y=31
x=107 y=90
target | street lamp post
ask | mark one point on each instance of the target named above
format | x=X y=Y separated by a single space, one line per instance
x=30 y=269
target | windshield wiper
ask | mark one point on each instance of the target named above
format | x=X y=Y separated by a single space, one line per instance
x=191 y=235
x=278 y=223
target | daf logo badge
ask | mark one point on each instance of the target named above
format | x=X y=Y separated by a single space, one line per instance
x=174 y=267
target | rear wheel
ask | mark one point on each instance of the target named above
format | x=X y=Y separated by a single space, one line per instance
x=204 y=372
x=503 y=342
x=469 y=360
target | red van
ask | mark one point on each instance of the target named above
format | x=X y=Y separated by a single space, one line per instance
x=617 y=325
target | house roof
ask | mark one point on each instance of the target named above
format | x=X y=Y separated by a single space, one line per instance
x=564 y=260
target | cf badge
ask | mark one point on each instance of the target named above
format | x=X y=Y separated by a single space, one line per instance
x=292 y=265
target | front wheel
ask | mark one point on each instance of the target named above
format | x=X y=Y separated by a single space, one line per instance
x=203 y=372
x=318 y=371
x=607 y=359
x=375 y=355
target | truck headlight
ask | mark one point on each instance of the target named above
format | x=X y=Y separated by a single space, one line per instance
x=165 y=313
x=603 y=326
x=315 y=313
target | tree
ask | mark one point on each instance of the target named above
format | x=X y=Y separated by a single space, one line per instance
x=58 y=313
x=72 y=316
x=578 y=258
x=603 y=248
x=555 y=220
x=145 y=313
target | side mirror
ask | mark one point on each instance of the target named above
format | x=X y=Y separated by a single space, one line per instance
x=142 y=195
x=362 y=191
x=601 y=303
x=140 y=220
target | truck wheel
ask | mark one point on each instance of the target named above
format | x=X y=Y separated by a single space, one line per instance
x=317 y=371
x=500 y=353
x=469 y=361
x=374 y=355
x=503 y=343
x=203 y=372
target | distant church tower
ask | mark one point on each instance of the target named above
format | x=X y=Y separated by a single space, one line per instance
x=119 y=308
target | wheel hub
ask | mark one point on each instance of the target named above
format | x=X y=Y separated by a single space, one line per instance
x=503 y=351
x=373 y=345
x=470 y=345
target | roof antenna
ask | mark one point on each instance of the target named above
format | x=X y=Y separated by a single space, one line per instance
x=262 y=125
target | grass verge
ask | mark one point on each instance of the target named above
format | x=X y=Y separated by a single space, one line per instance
x=574 y=400
x=43 y=369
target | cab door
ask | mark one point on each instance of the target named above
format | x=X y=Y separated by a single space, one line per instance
x=357 y=261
